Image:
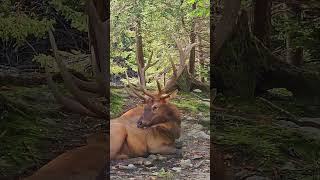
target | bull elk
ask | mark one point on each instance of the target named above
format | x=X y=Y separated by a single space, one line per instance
x=146 y=129
x=151 y=127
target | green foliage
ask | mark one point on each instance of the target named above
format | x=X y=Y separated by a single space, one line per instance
x=21 y=26
x=78 y=18
x=164 y=174
x=116 y=102
x=74 y=60
x=159 y=21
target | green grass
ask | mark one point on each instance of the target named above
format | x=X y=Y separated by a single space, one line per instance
x=191 y=103
x=262 y=142
x=21 y=129
x=117 y=99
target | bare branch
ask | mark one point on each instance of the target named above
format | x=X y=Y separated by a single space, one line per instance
x=174 y=69
x=70 y=85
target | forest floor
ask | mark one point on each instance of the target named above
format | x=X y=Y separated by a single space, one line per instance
x=259 y=143
x=34 y=130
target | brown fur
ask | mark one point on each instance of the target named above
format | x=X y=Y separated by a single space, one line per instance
x=83 y=163
x=128 y=140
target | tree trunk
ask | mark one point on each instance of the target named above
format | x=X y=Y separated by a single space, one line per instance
x=139 y=54
x=192 y=59
x=201 y=58
x=294 y=55
x=262 y=20
x=245 y=66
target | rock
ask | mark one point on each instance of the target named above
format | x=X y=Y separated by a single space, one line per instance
x=197 y=90
x=198 y=127
x=201 y=134
x=152 y=157
x=129 y=167
x=152 y=168
x=196 y=157
x=185 y=163
x=189 y=118
x=162 y=158
x=177 y=169
x=148 y=163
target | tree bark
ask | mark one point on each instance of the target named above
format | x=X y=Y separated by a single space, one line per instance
x=294 y=55
x=192 y=59
x=245 y=66
x=201 y=58
x=262 y=20
x=139 y=54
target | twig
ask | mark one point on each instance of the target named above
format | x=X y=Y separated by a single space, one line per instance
x=202 y=99
x=278 y=108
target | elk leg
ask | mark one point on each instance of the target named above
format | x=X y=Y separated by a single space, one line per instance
x=165 y=149
x=118 y=135
x=121 y=156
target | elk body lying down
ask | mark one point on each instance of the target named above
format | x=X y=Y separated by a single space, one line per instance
x=83 y=163
x=149 y=129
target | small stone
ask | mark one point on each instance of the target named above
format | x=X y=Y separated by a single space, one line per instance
x=162 y=158
x=177 y=169
x=152 y=157
x=139 y=162
x=153 y=168
x=196 y=157
x=203 y=135
x=186 y=163
x=197 y=90
x=148 y=163
x=129 y=167
x=188 y=118
x=198 y=127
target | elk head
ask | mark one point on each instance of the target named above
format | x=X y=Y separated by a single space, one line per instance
x=157 y=108
x=158 y=111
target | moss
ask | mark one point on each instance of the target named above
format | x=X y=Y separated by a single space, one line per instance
x=191 y=103
x=268 y=144
x=280 y=92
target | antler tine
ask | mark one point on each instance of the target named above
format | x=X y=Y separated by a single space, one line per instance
x=133 y=89
x=145 y=91
x=164 y=96
x=159 y=86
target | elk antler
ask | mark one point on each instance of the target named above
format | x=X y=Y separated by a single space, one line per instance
x=82 y=90
x=133 y=91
